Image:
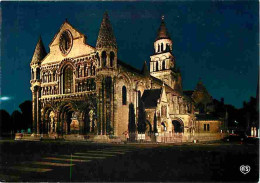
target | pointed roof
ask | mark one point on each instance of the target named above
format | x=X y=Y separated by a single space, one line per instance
x=106 y=38
x=39 y=52
x=145 y=70
x=200 y=86
x=201 y=94
x=162 y=31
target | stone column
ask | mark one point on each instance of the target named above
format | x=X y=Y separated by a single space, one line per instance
x=81 y=124
x=115 y=119
x=38 y=110
x=34 y=110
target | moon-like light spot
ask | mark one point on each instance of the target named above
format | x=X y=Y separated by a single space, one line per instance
x=4 y=98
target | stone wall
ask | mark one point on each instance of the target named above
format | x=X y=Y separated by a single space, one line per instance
x=214 y=126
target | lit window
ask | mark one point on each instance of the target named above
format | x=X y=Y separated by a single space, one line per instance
x=68 y=80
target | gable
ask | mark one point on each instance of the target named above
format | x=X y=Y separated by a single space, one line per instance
x=78 y=46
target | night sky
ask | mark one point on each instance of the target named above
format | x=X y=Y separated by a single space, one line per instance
x=215 y=41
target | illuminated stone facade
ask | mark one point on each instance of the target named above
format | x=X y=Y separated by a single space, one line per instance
x=85 y=90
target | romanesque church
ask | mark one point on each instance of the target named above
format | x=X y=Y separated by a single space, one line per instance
x=88 y=92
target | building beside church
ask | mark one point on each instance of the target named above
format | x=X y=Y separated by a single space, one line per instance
x=89 y=92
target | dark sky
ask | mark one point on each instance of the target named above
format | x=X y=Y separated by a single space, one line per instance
x=215 y=41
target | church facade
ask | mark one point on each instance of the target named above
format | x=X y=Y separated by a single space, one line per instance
x=87 y=91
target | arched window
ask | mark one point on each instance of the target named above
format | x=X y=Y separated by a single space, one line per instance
x=54 y=76
x=158 y=48
x=163 y=65
x=49 y=77
x=81 y=73
x=78 y=70
x=162 y=47
x=43 y=77
x=112 y=57
x=88 y=71
x=94 y=70
x=124 y=95
x=97 y=55
x=84 y=71
x=104 y=58
x=68 y=80
x=168 y=47
x=91 y=70
x=157 y=66
x=32 y=75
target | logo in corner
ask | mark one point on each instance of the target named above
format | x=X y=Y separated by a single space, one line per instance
x=245 y=169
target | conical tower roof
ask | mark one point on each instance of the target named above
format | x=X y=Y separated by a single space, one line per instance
x=200 y=86
x=106 y=38
x=162 y=31
x=39 y=52
x=145 y=70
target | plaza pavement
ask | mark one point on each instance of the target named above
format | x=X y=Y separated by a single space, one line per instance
x=81 y=162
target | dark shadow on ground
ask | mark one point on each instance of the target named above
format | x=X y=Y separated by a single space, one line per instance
x=160 y=163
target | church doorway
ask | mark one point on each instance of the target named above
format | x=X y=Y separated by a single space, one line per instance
x=163 y=127
x=48 y=125
x=177 y=126
x=66 y=119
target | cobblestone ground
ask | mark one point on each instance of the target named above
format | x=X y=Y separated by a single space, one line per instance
x=78 y=161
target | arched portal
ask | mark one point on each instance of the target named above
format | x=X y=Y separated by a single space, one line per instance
x=65 y=118
x=163 y=127
x=48 y=123
x=178 y=126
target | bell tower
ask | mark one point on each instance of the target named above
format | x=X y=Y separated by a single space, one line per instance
x=106 y=46
x=38 y=56
x=106 y=54
x=162 y=62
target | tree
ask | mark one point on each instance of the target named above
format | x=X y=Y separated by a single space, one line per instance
x=131 y=124
x=17 y=121
x=155 y=123
x=5 y=122
x=141 y=126
x=26 y=108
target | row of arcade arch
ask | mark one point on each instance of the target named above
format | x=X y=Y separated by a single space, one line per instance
x=103 y=60
x=177 y=126
x=68 y=118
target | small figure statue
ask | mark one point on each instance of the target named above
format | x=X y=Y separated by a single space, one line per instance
x=55 y=126
x=91 y=119
x=51 y=124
